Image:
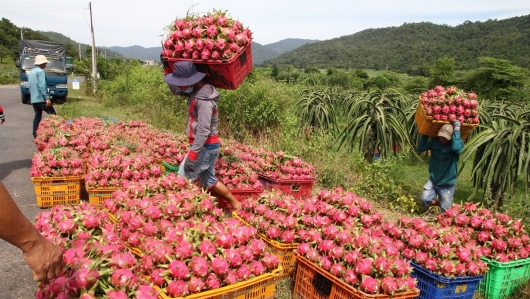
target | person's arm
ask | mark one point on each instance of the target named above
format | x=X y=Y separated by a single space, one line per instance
x=43 y=88
x=457 y=144
x=41 y=255
x=424 y=144
x=2 y=117
x=204 y=121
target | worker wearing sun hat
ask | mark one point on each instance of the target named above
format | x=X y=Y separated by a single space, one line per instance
x=445 y=151
x=201 y=128
x=40 y=98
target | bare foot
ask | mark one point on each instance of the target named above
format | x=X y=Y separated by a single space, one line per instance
x=236 y=205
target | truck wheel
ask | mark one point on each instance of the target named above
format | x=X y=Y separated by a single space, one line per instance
x=25 y=98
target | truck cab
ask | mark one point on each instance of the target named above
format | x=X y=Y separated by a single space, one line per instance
x=56 y=73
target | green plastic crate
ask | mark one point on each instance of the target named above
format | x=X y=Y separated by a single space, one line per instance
x=168 y=168
x=503 y=279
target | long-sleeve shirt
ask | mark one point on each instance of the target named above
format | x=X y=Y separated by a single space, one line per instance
x=203 y=120
x=37 y=85
x=444 y=158
x=1 y=113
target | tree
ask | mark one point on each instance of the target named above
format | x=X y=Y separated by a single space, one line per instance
x=501 y=153
x=444 y=71
x=497 y=79
x=310 y=69
x=290 y=69
x=4 y=52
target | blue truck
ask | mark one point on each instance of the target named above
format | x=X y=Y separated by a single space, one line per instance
x=56 y=73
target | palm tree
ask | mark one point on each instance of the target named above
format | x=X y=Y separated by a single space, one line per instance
x=501 y=152
x=375 y=121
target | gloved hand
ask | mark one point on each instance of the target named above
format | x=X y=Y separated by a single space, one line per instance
x=189 y=166
x=456 y=125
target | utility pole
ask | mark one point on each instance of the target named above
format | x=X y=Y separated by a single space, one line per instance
x=21 y=33
x=94 y=64
x=79 y=44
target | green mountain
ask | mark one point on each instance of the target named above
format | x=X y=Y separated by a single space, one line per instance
x=414 y=47
x=260 y=53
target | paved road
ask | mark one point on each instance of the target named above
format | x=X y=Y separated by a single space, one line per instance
x=17 y=149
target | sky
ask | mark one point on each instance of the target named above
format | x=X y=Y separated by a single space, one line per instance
x=134 y=22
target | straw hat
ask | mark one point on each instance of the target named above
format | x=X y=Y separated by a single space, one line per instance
x=40 y=59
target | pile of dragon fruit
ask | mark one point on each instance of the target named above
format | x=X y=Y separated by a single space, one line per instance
x=162 y=233
x=450 y=104
x=272 y=165
x=210 y=37
x=97 y=261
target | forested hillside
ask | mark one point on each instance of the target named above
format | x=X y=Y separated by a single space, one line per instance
x=413 y=48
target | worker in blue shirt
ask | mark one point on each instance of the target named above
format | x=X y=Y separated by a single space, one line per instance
x=40 y=98
x=445 y=151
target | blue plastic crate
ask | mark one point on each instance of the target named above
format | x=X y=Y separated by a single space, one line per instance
x=434 y=286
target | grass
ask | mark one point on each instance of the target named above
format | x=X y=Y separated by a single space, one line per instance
x=78 y=104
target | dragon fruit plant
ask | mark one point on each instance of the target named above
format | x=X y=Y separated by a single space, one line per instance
x=210 y=37
x=450 y=104
x=57 y=162
x=500 y=237
x=97 y=261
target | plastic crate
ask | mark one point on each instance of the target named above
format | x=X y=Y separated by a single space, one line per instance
x=284 y=252
x=296 y=188
x=97 y=196
x=51 y=191
x=227 y=74
x=260 y=287
x=430 y=127
x=313 y=282
x=503 y=279
x=168 y=168
x=435 y=286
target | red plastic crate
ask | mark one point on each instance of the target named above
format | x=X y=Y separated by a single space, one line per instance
x=227 y=74
x=296 y=188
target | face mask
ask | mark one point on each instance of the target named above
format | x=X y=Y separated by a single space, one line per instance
x=189 y=90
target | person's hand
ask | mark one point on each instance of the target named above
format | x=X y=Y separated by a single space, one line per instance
x=456 y=125
x=189 y=166
x=48 y=103
x=45 y=259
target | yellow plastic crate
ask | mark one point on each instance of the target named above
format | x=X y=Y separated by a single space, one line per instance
x=284 y=252
x=430 y=127
x=97 y=196
x=51 y=191
x=261 y=287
